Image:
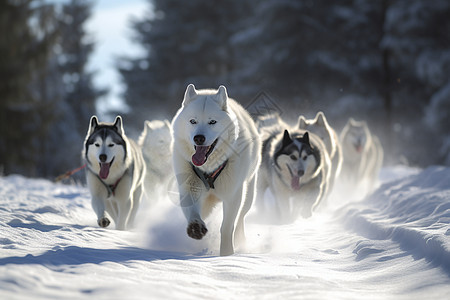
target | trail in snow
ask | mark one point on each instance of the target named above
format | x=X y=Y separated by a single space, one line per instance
x=394 y=244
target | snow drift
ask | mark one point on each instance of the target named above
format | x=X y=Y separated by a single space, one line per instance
x=394 y=244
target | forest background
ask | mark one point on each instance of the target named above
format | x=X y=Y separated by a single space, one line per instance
x=385 y=61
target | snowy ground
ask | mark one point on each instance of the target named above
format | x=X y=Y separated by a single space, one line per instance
x=395 y=244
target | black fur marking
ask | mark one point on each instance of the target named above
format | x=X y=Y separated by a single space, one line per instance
x=287 y=147
x=308 y=148
x=196 y=230
x=286 y=138
x=103 y=131
x=104 y=222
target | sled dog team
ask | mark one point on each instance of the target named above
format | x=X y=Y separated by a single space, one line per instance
x=218 y=153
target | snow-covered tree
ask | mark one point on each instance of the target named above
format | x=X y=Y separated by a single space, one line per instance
x=185 y=42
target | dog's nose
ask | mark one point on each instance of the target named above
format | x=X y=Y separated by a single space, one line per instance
x=102 y=157
x=301 y=173
x=199 y=139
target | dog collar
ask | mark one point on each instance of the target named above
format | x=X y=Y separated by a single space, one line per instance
x=209 y=178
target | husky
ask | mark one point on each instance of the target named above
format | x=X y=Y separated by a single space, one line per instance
x=115 y=173
x=296 y=169
x=363 y=155
x=320 y=126
x=268 y=121
x=216 y=154
x=156 y=144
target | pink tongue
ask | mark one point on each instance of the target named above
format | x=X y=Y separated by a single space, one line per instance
x=295 y=183
x=104 y=170
x=199 y=157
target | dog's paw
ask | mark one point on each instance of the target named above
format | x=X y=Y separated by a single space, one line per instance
x=103 y=222
x=306 y=213
x=196 y=230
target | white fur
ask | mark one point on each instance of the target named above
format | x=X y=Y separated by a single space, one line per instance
x=360 y=168
x=156 y=144
x=127 y=171
x=237 y=141
x=320 y=126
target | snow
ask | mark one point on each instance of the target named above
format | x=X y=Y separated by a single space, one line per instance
x=394 y=244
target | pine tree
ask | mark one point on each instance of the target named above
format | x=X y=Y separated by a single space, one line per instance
x=28 y=33
x=76 y=47
x=185 y=42
x=70 y=84
x=46 y=91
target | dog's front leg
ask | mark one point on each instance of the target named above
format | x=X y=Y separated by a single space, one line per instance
x=99 y=208
x=191 y=206
x=308 y=201
x=124 y=203
x=231 y=208
x=191 y=191
x=123 y=211
x=99 y=194
x=135 y=201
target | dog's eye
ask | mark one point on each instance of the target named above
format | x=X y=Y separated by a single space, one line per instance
x=212 y=122
x=293 y=157
x=97 y=145
x=111 y=145
x=305 y=157
x=192 y=121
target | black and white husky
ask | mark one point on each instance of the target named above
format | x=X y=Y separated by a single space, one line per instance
x=296 y=168
x=115 y=173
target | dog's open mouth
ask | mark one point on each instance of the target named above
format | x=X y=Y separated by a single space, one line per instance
x=201 y=153
x=104 y=169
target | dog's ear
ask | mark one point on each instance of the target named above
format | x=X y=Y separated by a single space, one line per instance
x=286 y=138
x=149 y=125
x=93 y=123
x=190 y=94
x=306 y=138
x=321 y=119
x=352 y=122
x=167 y=123
x=222 y=97
x=146 y=127
x=301 y=124
x=118 y=125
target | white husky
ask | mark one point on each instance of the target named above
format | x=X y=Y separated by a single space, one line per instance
x=296 y=169
x=156 y=144
x=115 y=173
x=320 y=126
x=216 y=154
x=363 y=155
